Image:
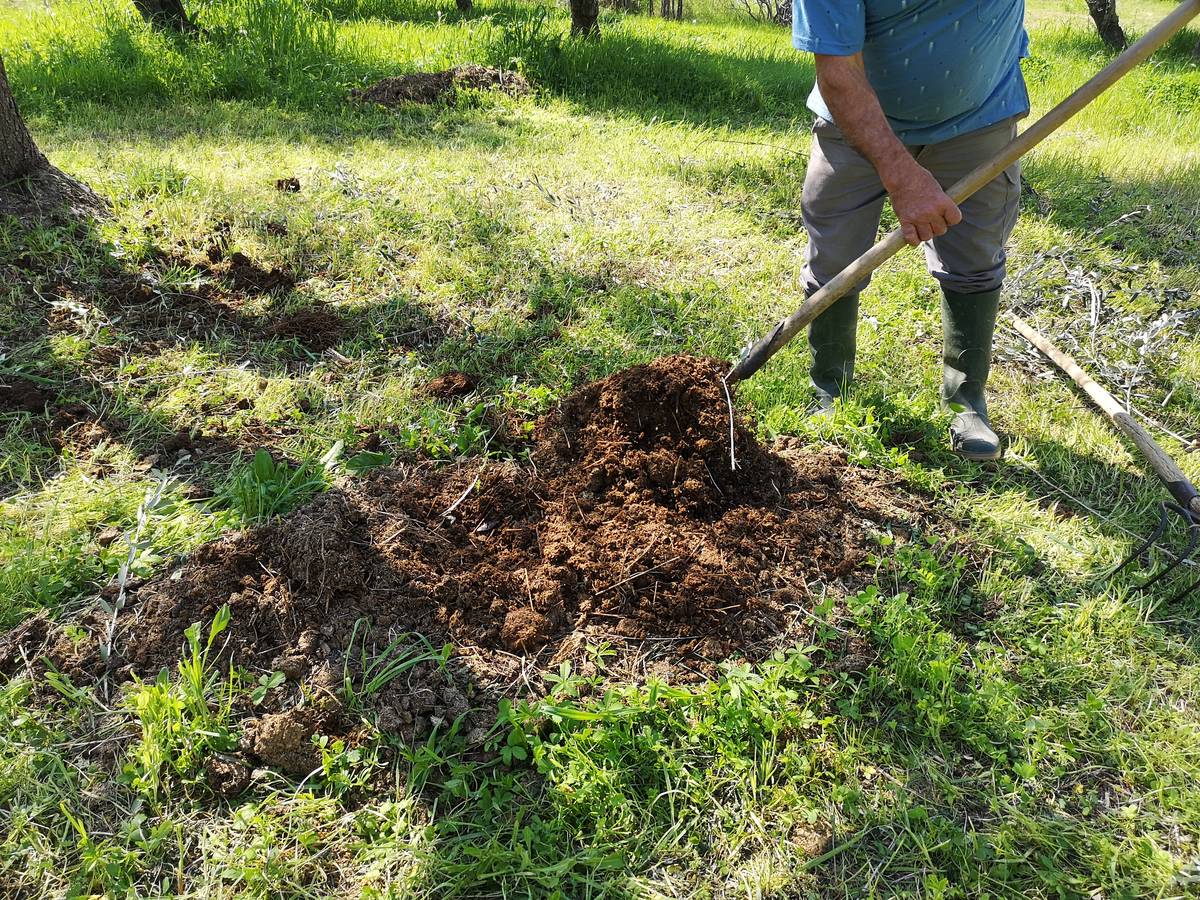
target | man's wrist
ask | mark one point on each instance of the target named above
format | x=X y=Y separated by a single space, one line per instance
x=897 y=170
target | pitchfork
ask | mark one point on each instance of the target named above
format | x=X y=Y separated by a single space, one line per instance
x=1187 y=499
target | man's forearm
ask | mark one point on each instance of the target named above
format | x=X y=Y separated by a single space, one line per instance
x=856 y=110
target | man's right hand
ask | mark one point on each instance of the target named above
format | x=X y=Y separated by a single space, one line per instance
x=925 y=211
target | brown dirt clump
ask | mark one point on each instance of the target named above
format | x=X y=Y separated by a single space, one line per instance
x=227 y=776
x=629 y=527
x=435 y=87
x=284 y=739
x=525 y=629
x=451 y=384
x=314 y=328
x=248 y=276
x=78 y=427
x=22 y=395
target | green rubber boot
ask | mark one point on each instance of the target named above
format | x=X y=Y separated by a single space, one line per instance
x=968 y=321
x=832 y=337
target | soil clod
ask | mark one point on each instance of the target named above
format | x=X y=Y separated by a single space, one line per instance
x=22 y=395
x=525 y=629
x=226 y=776
x=451 y=384
x=284 y=740
x=314 y=328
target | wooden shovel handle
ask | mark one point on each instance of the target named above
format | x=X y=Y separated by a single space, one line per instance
x=756 y=357
x=1164 y=467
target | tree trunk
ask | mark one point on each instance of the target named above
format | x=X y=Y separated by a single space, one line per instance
x=584 y=14
x=19 y=156
x=168 y=15
x=1104 y=14
x=464 y=6
x=29 y=186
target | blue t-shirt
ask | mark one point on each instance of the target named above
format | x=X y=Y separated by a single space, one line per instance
x=940 y=67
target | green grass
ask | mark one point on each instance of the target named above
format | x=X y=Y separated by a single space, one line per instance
x=1022 y=725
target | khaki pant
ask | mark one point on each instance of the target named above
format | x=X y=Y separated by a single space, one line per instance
x=843 y=198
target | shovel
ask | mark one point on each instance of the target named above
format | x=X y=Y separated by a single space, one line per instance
x=756 y=356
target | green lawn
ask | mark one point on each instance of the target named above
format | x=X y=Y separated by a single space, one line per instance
x=1027 y=727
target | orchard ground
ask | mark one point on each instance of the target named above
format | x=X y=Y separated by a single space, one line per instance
x=348 y=288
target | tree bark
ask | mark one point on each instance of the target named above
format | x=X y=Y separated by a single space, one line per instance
x=19 y=155
x=29 y=186
x=168 y=15
x=1108 y=25
x=584 y=14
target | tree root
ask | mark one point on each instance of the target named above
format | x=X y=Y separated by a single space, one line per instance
x=48 y=194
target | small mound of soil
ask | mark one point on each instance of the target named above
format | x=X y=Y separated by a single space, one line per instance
x=315 y=328
x=434 y=87
x=22 y=395
x=451 y=384
x=284 y=739
x=249 y=277
x=226 y=776
x=78 y=427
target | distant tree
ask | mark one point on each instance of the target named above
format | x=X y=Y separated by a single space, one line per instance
x=28 y=183
x=584 y=16
x=168 y=15
x=1108 y=25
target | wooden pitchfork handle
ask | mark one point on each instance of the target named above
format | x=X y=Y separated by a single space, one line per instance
x=1164 y=467
x=757 y=355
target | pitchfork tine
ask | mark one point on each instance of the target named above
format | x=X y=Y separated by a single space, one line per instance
x=1193 y=526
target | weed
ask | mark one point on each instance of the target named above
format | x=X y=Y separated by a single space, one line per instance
x=183 y=718
x=368 y=671
x=266 y=488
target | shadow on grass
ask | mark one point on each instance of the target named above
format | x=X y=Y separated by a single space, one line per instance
x=110 y=339
x=1140 y=217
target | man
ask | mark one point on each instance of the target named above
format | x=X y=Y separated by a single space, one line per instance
x=910 y=96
